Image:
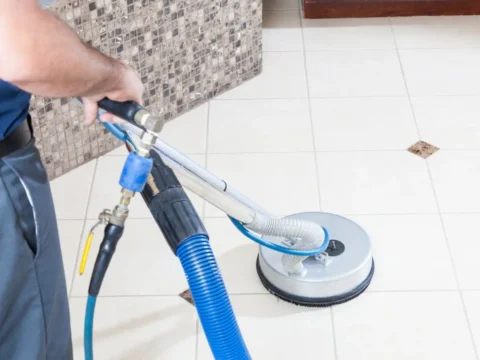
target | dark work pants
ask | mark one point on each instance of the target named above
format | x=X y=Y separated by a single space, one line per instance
x=34 y=313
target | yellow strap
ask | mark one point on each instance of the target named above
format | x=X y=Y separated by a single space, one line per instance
x=86 y=250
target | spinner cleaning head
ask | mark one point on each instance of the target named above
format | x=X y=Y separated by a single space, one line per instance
x=340 y=274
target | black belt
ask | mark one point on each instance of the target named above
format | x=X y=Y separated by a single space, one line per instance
x=17 y=139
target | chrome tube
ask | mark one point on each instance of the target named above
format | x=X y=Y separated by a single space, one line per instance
x=220 y=199
x=203 y=183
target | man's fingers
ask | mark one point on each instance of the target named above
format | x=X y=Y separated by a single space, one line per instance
x=107 y=117
x=90 y=110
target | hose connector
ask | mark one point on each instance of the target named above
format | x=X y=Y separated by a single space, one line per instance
x=170 y=206
x=112 y=235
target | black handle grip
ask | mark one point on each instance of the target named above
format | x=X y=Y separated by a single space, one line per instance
x=123 y=110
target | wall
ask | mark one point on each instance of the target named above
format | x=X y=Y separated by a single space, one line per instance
x=185 y=51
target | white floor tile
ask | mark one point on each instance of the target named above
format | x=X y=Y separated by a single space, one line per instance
x=71 y=192
x=396 y=268
x=143 y=264
x=399 y=326
x=456 y=175
x=281 y=4
x=436 y=32
x=363 y=124
x=347 y=34
x=243 y=126
x=70 y=232
x=278 y=330
x=354 y=73
x=282 y=31
x=269 y=85
x=106 y=189
x=449 y=122
x=472 y=299
x=236 y=256
x=188 y=133
x=390 y=182
x=442 y=72
x=462 y=235
x=280 y=183
x=153 y=328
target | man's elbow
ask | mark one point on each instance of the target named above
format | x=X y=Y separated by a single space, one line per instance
x=16 y=72
x=16 y=66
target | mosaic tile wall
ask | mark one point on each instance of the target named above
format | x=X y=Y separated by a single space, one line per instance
x=186 y=51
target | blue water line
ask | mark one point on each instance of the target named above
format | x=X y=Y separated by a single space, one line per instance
x=88 y=327
x=116 y=131
x=211 y=299
x=280 y=248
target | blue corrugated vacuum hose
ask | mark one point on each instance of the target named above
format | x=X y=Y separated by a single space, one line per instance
x=211 y=299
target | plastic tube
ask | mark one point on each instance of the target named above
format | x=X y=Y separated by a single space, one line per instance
x=211 y=299
x=116 y=131
x=88 y=330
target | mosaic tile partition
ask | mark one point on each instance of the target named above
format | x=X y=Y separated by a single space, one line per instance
x=186 y=51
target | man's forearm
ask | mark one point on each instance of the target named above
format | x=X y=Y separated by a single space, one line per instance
x=42 y=55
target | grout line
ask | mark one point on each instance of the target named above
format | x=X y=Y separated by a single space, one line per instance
x=372 y=292
x=309 y=152
x=345 y=97
x=335 y=344
x=315 y=157
x=388 y=49
x=405 y=80
x=197 y=335
x=82 y=235
x=163 y=295
x=173 y=296
x=455 y=272
x=411 y=291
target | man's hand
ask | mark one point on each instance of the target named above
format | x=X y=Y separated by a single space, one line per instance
x=66 y=67
x=130 y=88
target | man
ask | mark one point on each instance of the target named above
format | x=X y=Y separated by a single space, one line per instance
x=40 y=55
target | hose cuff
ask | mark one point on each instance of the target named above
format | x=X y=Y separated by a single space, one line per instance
x=170 y=206
x=113 y=233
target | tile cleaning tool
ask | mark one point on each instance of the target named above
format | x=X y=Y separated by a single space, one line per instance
x=299 y=261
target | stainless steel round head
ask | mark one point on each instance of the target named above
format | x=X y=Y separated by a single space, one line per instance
x=339 y=275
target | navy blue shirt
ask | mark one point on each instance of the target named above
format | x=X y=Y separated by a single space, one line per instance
x=14 y=104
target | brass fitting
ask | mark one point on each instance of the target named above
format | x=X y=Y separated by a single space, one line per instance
x=152 y=185
x=120 y=212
